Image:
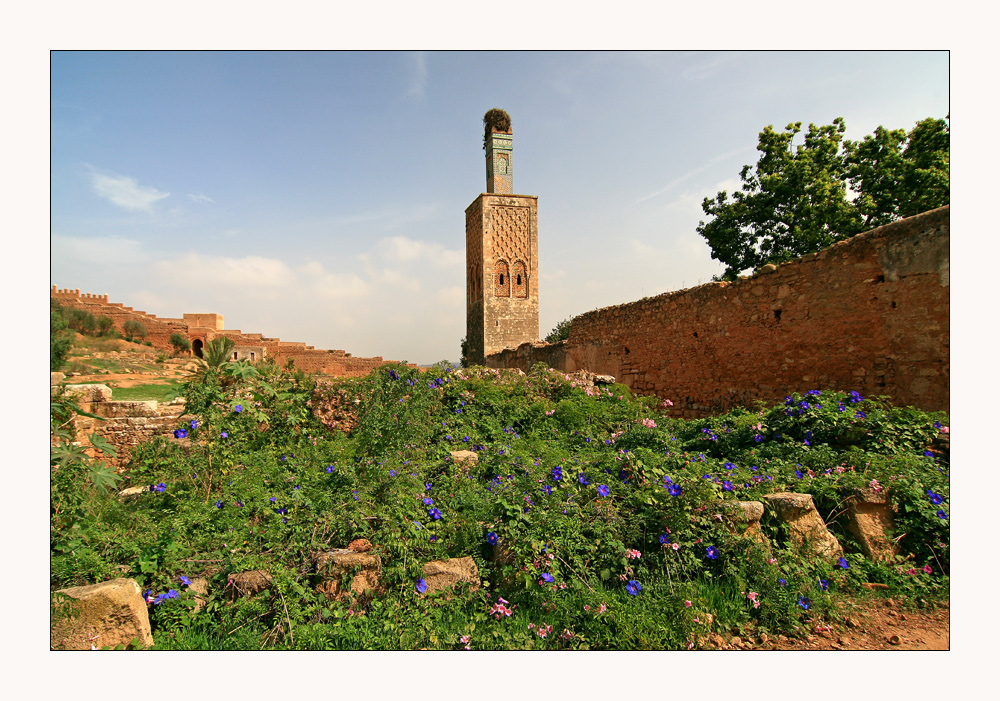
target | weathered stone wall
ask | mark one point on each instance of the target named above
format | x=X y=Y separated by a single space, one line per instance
x=205 y=327
x=869 y=314
x=125 y=424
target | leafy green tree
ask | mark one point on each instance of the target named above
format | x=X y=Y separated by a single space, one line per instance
x=81 y=320
x=105 y=325
x=799 y=199
x=560 y=332
x=60 y=341
x=179 y=342
x=134 y=328
x=898 y=175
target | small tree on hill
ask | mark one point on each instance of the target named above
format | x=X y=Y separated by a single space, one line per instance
x=134 y=328
x=180 y=343
x=105 y=325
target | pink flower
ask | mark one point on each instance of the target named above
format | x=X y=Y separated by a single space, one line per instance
x=944 y=429
x=772 y=561
x=675 y=546
x=927 y=569
x=687 y=604
x=633 y=554
x=602 y=608
x=586 y=607
x=465 y=639
x=876 y=487
x=667 y=402
x=911 y=571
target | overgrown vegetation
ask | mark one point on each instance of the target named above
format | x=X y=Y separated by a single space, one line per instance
x=560 y=332
x=594 y=519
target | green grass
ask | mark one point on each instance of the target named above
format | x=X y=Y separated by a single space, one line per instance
x=158 y=392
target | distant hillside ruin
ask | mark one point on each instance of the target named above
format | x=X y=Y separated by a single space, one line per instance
x=199 y=329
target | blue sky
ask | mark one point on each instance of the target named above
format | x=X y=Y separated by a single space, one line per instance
x=319 y=197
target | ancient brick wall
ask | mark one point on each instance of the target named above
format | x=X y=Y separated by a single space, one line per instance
x=205 y=327
x=869 y=314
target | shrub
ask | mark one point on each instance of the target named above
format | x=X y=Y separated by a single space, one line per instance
x=180 y=343
x=60 y=340
x=134 y=328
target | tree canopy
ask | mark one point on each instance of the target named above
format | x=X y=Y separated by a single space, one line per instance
x=799 y=199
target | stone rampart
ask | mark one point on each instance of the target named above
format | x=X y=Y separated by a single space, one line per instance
x=870 y=313
x=205 y=327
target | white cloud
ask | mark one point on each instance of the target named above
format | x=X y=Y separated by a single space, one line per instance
x=125 y=191
x=418 y=80
x=201 y=199
x=109 y=250
x=220 y=273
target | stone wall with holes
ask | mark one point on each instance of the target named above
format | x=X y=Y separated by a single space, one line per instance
x=869 y=314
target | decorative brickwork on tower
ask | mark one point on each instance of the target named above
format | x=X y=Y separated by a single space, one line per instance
x=501 y=244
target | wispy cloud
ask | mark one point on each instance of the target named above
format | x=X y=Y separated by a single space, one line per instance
x=201 y=199
x=125 y=191
x=687 y=176
x=418 y=78
x=707 y=68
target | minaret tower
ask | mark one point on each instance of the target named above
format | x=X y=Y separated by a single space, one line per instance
x=501 y=250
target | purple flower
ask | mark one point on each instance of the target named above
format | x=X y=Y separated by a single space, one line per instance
x=804 y=602
x=633 y=587
x=548 y=577
x=329 y=468
x=434 y=514
x=603 y=490
x=185 y=581
x=491 y=538
x=218 y=505
x=557 y=473
x=421 y=585
x=727 y=486
x=180 y=433
x=824 y=585
x=842 y=562
x=238 y=408
x=547 y=489
x=935 y=498
x=941 y=514
x=161 y=487
x=782 y=583
x=582 y=479
x=392 y=473
x=194 y=424
x=428 y=486
x=428 y=501
x=711 y=552
x=674 y=490
x=224 y=434
x=664 y=539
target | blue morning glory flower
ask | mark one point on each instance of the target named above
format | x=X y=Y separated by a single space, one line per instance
x=664 y=539
x=180 y=433
x=711 y=552
x=238 y=408
x=491 y=538
x=428 y=501
x=194 y=424
x=674 y=490
x=185 y=581
x=824 y=585
x=804 y=602
x=548 y=577
x=421 y=585
x=434 y=514
x=727 y=486
x=603 y=490
x=842 y=562
x=633 y=587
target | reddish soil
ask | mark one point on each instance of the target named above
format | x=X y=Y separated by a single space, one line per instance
x=868 y=625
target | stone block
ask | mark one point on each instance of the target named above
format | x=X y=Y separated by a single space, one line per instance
x=342 y=572
x=248 y=583
x=742 y=518
x=806 y=527
x=464 y=458
x=442 y=574
x=89 y=394
x=869 y=519
x=106 y=614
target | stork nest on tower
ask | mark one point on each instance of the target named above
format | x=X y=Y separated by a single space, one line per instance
x=497 y=119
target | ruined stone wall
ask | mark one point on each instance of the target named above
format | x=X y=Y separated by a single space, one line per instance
x=205 y=327
x=869 y=314
x=125 y=424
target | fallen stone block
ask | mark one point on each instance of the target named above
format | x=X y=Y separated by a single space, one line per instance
x=742 y=518
x=442 y=574
x=248 y=583
x=342 y=572
x=869 y=519
x=806 y=527
x=106 y=614
x=464 y=458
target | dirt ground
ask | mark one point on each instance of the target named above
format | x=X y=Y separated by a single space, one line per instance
x=869 y=625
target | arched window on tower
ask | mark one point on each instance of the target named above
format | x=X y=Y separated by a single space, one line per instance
x=519 y=278
x=501 y=279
